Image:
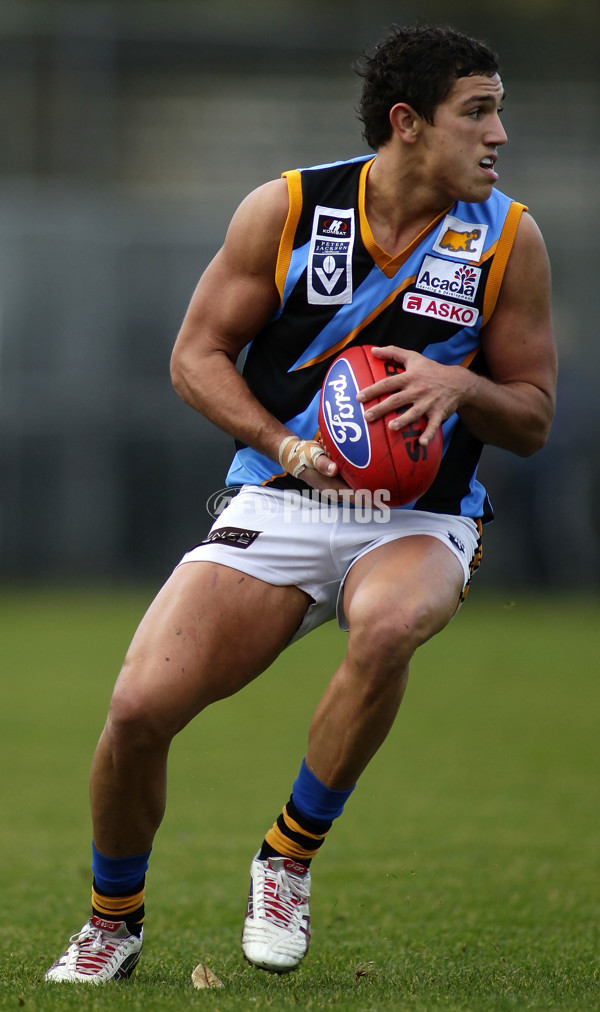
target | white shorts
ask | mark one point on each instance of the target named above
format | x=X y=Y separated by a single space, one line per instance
x=289 y=539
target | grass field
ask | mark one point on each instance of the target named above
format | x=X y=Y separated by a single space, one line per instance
x=463 y=876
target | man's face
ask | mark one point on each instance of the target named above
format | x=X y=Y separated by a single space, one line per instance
x=461 y=145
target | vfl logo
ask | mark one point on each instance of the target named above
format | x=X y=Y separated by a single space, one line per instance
x=329 y=273
x=329 y=270
x=462 y=239
x=439 y=309
x=344 y=416
x=446 y=277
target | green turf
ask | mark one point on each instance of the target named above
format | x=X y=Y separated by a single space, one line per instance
x=463 y=876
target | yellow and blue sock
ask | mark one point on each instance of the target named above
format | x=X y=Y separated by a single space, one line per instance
x=306 y=819
x=118 y=889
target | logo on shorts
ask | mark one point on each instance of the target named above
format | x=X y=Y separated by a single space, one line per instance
x=329 y=272
x=235 y=537
x=458 y=544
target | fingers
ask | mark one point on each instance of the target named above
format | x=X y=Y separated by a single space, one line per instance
x=325 y=465
x=415 y=391
x=383 y=387
x=296 y=455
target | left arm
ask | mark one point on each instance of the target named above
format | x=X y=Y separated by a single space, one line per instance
x=512 y=409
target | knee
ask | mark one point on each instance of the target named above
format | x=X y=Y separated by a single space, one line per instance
x=384 y=639
x=136 y=720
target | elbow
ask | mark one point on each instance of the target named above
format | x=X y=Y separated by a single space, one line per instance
x=534 y=437
x=530 y=447
x=535 y=429
x=178 y=375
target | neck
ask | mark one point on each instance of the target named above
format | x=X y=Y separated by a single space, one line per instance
x=398 y=205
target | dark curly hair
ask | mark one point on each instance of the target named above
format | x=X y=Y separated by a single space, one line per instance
x=418 y=66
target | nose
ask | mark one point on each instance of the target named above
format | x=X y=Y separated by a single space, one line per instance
x=497 y=133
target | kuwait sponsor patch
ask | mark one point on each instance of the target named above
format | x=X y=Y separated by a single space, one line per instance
x=329 y=273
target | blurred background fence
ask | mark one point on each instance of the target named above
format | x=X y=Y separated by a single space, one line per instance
x=130 y=131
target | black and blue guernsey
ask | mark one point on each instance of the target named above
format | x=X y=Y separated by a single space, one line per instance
x=339 y=288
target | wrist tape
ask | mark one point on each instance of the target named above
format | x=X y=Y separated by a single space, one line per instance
x=297 y=454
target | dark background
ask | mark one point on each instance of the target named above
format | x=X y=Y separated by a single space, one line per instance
x=130 y=132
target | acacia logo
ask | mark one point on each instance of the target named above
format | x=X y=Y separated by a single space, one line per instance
x=445 y=277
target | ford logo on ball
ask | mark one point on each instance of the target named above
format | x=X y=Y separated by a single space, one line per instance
x=344 y=416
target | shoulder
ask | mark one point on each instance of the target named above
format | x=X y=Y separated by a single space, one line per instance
x=529 y=234
x=524 y=299
x=529 y=257
x=262 y=213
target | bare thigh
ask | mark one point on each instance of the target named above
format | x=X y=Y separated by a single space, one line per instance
x=410 y=587
x=209 y=632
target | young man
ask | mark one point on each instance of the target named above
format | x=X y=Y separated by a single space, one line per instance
x=413 y=252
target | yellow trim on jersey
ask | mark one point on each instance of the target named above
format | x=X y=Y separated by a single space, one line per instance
x=466 y=362
x=386 y=263
x=293 y=179
x=502 y=248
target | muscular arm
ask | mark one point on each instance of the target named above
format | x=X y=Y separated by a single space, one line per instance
x=234 y=298
x=514 y=408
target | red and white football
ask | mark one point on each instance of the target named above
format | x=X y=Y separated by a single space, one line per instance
x=369 y=455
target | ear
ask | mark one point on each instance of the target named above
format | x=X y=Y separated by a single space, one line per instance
x=406 y=123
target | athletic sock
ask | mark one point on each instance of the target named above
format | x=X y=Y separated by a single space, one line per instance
x=118 y=888
x=305 y=821
x=128 y=908
x=294 y=836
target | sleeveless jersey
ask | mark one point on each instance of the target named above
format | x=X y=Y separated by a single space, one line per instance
x=339 y=288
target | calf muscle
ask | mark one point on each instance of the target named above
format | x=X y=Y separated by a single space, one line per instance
x=192 y=647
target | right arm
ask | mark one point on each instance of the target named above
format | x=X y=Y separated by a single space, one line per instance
x=234 y=299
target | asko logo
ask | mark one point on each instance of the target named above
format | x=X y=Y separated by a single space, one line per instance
x=344 y=416
x=443 y=277
x=438 y=309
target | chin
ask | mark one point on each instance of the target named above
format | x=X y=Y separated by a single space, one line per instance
x=479 y=194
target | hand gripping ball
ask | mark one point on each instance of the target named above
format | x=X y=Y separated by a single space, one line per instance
x=369 y=455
